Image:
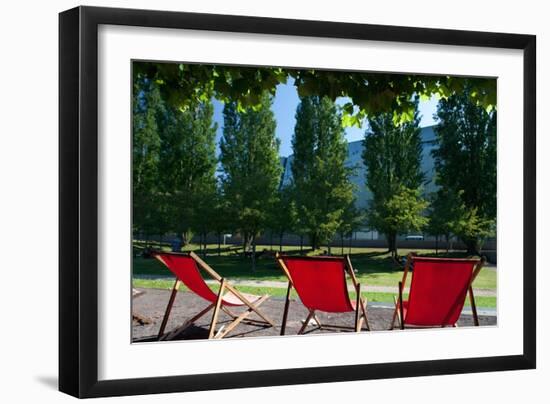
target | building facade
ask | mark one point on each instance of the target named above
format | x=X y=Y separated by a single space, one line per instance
x=354 y=160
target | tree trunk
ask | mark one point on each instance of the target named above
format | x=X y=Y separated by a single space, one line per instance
x=436 y=243
x=473 y=246
x=342 y=243
x=185 y=239
x=245 y=243
x=350 y=239
x=281 y=235
x=392 y=244
x=301 y=243
x=253 y=254
x=270 y=240
x=313 y=241
x=219 y=244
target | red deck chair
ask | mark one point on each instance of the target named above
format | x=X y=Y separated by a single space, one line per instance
x=437 y=291
x=321 y=285
x=185 y=266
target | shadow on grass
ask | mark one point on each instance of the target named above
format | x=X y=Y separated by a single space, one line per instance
x=238 y=266
x=229 y=261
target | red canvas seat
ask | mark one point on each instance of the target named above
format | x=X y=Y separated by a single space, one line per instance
x=186 y=269
x=320 y=282
x=438 y=290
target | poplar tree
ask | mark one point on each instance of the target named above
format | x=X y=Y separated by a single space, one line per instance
x=149 y=115
x=465 y=162
x=283 y=214
x=392 y=155
x=251 y=168
x=352 y=220
x=187 y=169
x=320 y=178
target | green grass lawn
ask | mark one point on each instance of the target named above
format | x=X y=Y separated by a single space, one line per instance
x=374 y=267
x=481 y=301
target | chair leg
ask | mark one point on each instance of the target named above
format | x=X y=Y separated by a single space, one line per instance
x=401 y=312
x=169 y=308
x=397 y=315
x=357 y=308
x=216 y=310
x=399 y=321
x=364 y=305
x=306 y=322
x=285 y=311
x=317 y=321
x=220 y=334
x=359 y=324
x=247 y=320
x=473 y=304
x=249 y=304
x=392 y=326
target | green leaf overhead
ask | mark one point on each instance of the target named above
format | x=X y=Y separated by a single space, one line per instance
x=370 y=93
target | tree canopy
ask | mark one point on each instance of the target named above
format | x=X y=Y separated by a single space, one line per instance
x=371 y=93
x=188 y=167
x=251 y=168
x=392 y=156
x=465 y=162
x=149 y=116
x=322 y=189
x=283 y=215
x=174 y=163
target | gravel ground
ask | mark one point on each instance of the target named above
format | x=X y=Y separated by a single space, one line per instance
x=153 y=303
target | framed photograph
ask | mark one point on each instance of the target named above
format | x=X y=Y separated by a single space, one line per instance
x=251 y=202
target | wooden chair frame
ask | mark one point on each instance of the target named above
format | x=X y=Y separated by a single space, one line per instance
x=217 y=306
x=398 y=311
x=360 y=303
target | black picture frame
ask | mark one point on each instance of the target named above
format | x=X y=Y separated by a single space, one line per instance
x=78 y=201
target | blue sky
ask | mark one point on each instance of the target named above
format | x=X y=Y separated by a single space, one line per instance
x=284 y=107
